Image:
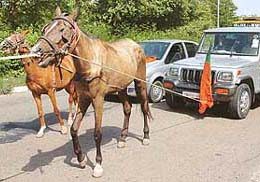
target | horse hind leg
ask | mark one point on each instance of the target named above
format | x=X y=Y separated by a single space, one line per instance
x=70 y=117
x=141 y=92
x=52 y=96
x=83 y=106
x=72 y=99
x=127 y=106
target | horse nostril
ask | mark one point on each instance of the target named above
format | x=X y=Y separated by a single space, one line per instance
x=39 y=50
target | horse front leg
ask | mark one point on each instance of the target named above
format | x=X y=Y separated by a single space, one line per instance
x=98 y=107
x=52 y=96
x=83 y=105
x=38 y=101
x=127 y=106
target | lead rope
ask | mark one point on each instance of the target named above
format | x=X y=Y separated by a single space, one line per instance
x=106 y=67
x=131 y=76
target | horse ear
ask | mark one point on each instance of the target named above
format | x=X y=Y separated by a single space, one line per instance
x=58 y=11
x=25 y=32
x=75 y=14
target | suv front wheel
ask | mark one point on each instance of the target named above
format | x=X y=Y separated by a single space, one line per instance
x=240 y=105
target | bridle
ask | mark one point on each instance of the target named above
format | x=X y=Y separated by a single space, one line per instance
x=59 y=53
x=13 y=44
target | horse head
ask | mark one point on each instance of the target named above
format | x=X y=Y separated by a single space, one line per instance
x=11 y=44
x=59 y=36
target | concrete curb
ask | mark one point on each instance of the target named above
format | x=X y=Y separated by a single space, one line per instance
x=19 y=89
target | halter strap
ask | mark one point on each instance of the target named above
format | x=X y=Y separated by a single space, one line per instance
x=14 y=44
x=50 y=43
x=67 y=45
x=66 y=20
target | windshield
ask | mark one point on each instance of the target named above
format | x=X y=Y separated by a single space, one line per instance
x=244 y=44
x=156 y=49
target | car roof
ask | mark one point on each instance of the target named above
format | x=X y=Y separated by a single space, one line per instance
x=234 y=29
x=168 y=41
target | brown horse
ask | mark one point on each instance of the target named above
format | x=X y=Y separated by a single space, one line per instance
x=63 y=34
x=44 y=80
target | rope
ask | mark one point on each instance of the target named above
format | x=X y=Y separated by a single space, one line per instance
x=19 y=57
x=134 y=77
x=106 y=67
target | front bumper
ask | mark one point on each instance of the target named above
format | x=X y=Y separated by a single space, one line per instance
x=194 y=89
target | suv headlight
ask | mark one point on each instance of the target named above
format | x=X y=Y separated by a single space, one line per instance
x=174 y=71
x=225 y=77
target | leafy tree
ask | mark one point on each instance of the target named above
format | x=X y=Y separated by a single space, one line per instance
x=113 y=19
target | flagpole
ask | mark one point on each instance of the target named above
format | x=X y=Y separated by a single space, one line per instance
x=218 y=13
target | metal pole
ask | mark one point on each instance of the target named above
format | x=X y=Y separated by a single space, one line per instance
x=218 y=13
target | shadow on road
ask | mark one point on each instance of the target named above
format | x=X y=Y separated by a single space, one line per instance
x=191 y=109
x=14 y=131
x=42 y=159
x=11 y=132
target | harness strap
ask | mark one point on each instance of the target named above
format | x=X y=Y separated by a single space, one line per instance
x=64 y=19
x=53 y=77
x=46 y=39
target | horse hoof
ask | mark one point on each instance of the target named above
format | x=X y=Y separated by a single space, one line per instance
x=64 y=130
x=146 y=141
x=41 y=132
x=98 y=171
x=121 y=144
x=83 y=163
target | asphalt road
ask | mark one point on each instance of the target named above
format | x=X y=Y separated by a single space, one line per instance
x=184 y=146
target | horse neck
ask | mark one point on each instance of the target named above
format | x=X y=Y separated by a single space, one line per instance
x=84 y=49
x=29 y=64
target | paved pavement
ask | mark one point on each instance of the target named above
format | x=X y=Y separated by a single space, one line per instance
x=184 y=147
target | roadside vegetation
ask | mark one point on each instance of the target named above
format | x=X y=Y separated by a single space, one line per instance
x=111 y=20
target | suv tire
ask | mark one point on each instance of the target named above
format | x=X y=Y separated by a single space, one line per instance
x=156 y=94
x=174 y=101
x=240 y=105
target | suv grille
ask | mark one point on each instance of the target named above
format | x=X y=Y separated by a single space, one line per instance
x=194 y=76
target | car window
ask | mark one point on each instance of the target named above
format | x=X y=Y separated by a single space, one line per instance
x=176 y=53
x=231 y=43
x=155 y=49
x=191 y=49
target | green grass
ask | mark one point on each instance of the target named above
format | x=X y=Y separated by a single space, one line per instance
x=8 y=83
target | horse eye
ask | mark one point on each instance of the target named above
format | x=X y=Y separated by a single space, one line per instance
x=61 y=30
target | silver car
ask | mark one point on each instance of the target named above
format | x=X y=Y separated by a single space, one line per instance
x=161 y=54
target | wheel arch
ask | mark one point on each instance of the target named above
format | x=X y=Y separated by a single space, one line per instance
x=250 y=83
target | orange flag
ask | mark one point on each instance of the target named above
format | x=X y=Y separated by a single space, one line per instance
x=206 y=99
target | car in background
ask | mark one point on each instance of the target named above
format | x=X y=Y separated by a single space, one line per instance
x=160 y=54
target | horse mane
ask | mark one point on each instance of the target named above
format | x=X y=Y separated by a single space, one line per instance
x=94 y=37
x=89 y=35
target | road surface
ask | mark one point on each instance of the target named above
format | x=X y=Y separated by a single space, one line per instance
x=184 y=146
